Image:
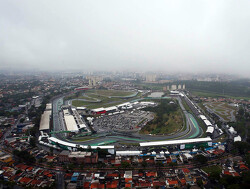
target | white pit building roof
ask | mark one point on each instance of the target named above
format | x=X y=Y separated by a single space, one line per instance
x=210 y=129
x=203 y=117
x=70 y=123
x=238 y=138
x=49 y=106
x=208 y=123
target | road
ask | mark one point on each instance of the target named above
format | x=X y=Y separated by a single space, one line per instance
x=60 y=180
x=8 y=132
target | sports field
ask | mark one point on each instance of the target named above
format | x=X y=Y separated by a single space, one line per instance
x=224 y=110
x=102 y=98
x=112 y=93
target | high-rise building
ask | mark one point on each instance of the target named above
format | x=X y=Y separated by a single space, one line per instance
x=150 y=78
x=173 y=87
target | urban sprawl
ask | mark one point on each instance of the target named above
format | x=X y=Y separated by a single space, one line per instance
x=121 y=130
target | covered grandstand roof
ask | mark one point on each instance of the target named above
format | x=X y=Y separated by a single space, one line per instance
x=128 y=153
x=111 y=108
x=98 y=109
x=147 y=103
x=124 y=104
x=176 y=142
x=81 y=108
x=45 y=119
x=69 y=144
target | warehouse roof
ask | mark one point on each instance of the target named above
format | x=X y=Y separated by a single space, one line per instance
x=176 y=142
x=45 y=119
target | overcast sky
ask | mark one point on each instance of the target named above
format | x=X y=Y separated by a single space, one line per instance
x=138 y=35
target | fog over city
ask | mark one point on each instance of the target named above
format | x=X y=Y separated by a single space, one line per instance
x=193 y=36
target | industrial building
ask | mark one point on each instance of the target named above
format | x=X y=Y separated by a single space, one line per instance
x=45 y=119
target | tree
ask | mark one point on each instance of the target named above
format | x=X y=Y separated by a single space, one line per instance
x=172 y=164
x=102 y=152
x=214 y=175
x=241 y=111
x=22 y=120
x=200 y=159
x=159 y=164
x=229 y=180
x=51 y=149
x=125 y=164
x=32 y=142
x=24 y=156
x=242 y=147
x=200 y=183
x=144 y=164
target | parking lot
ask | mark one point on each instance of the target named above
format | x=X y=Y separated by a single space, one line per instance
x=127 y=121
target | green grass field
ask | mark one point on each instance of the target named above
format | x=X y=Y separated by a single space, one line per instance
x=165 y=122
x=102 y=98
x=212 y=169
x=111 y=93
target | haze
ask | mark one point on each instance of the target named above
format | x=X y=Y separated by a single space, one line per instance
x=172 y=36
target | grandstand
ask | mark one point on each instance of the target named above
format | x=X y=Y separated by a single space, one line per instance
x=176 y=142
x=71 y=146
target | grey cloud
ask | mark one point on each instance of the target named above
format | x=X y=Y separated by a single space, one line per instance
x=183 y=36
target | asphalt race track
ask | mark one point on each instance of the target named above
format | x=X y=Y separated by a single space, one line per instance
x=192 y=129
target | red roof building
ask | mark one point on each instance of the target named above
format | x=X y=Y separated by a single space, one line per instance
x=25 y=180
x=185 y=170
